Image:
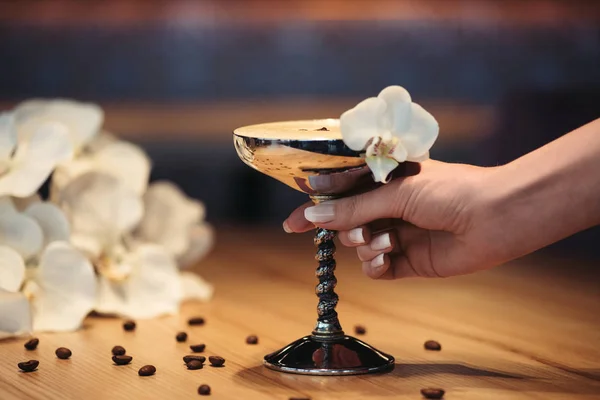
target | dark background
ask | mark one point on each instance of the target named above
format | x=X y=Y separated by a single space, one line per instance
x=502 y=77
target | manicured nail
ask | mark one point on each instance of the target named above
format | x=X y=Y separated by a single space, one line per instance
x=356 y=236
x=286 y=227
x=377 y=261
x=381 y=242
x=324 y=212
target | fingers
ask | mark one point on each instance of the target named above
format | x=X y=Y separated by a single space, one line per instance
x=387 y=201
x=380 y=244
x=355 y=237
x=392 y=266
x=296 y=221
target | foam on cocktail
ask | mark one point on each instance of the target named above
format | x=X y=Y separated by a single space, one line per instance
x=319 y=129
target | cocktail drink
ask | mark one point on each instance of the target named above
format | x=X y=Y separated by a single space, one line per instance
x=310 y=156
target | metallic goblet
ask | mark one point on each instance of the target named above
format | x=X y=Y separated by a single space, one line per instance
x=311 y=157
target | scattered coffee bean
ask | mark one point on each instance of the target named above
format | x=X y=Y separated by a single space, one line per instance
x=431 y=393
x=198 y=348
x=32 y=344
x=432 y=345
x=28 y=366
x=118 y=350
x=324 y=129
x=360 y=330
x=187 y=359
x=122 y=359
x=299 y=398
x=216 y=361
x=129 y=325
x=147 y=370
x=63 y=353
x=204 y=390
x=194 y=364
x=252 y=339
x=196 y=321
x=181 y=337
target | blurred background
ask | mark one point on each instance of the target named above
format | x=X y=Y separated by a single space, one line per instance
x=502 y=77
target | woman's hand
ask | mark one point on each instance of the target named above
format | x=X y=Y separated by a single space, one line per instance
x=431 y=224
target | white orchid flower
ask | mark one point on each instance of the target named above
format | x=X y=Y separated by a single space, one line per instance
x=82 y=120
x=45 y=283
x=26 y=161
x=123 y=160
x=176 y=222
x=391 y=128
x=136 y=280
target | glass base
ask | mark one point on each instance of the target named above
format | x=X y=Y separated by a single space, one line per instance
x=345 y=355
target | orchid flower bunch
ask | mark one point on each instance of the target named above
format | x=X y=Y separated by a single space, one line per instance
x=105 y=241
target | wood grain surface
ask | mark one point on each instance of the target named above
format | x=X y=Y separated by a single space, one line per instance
x=528 y=330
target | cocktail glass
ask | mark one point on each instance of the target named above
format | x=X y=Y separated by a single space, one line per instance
x=310 y=156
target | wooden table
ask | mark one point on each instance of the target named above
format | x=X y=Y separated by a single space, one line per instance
x=530 y=329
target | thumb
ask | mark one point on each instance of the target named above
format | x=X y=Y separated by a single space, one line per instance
x=387 y=201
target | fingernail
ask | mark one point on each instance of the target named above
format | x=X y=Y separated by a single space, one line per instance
x=324 y=212
x=356 y=236
x=286 y=227
x=377 y=261
x=381 y=242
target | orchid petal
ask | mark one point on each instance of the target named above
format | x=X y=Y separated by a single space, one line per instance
x=35 y=159
x=420 y=158
x=169 y=217
x=100 y=141
x=66 y=289
x=127 y=162
x=7 y=205
x=381 y=167
x=82 y=120
x=15 y=314
x=51 y=219
x=399 y=152
x=398 y=106
x=12 y=269
x=100 y=207
x=201 y=241
x=8 y=138
x=21 y=203
x=195 y=288
x=366 y=120
x=421 y=134
x=153 y=288
x=21 y=233
x=68 y=171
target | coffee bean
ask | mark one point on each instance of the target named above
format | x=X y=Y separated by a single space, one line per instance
x=198 y=348
x=431 y=393
x=122 y=359
x=322 y=129
x=181 y=337
x=147 y=370
x=32 y=344
x=196 y=321
x=360 y=330
x=28 y=366
x=118 y=350
x=252 y=339
x=432 y=345
x=216 y=361
x=204 y=390
x=299 y=398
x=187 y=359
x=129 y=325
x=194 y=364
x=63 y=353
